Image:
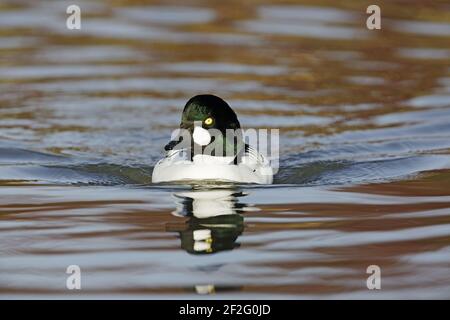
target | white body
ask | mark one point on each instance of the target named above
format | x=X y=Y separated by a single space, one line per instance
x=176 y=167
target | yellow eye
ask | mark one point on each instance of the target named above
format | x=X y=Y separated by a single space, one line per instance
x=208 y=121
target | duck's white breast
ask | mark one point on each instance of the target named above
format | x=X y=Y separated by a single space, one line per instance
x=175 y=167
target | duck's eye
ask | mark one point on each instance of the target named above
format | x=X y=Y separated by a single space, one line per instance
x=208 y=121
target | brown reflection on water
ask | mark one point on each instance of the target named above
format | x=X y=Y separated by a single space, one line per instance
x=431 y=184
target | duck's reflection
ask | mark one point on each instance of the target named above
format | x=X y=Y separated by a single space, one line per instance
x=215 y=221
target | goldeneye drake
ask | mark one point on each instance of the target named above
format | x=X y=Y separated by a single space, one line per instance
x=209 y=148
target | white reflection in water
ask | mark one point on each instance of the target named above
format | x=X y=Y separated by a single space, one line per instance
x=214 y=219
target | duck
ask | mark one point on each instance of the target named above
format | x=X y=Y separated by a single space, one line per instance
x=202 y=151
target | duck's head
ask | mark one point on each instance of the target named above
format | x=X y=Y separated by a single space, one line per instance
x=203 y=113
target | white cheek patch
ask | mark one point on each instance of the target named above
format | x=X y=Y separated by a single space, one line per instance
x=201 y=136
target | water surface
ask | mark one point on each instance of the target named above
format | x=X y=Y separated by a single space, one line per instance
x=364 y=179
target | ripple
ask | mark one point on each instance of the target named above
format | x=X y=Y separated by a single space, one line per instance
x=64 y=71
x=364 y=151
x=422 y=28
x=304 y=21
x=202 y=67
x=424 y=53
x=172 y=15
x=83 y=54
x=434 y=100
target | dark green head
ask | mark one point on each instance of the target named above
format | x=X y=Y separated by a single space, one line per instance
x=211 y=111
x=207 y=118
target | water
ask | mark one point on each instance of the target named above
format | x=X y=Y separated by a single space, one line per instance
x=364 y=119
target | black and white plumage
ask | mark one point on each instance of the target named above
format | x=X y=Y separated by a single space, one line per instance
x=242 y=163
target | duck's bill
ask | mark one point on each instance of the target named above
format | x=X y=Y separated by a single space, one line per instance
x=171 y=145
